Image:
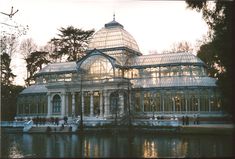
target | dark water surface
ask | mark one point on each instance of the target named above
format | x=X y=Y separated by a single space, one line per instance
x=120 y=145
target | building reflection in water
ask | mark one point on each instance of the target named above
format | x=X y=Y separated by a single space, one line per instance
x=149 y=149
x=92 y=147
x=166 y=147
x=108 y=145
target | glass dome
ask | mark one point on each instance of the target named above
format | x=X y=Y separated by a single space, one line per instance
x=111 y=36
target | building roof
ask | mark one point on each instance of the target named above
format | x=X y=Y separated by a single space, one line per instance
x=61 y=67
x=112 y=35
x=165 y=59
x=34 y=89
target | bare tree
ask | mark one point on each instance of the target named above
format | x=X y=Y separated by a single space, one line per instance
x=9 y=44
x=27 y=46
x=182 y=46
x=10 y=33
x=153 y=52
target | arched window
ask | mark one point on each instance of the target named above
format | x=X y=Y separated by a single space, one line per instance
x=56 y=104
x=97 y=67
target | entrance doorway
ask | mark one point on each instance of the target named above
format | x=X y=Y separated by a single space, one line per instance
x=114 y=108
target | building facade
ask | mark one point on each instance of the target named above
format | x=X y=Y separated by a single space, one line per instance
x=114 y=78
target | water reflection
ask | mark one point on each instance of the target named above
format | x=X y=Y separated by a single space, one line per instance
x=149 y=149
x=108 y=145
x=14 y=151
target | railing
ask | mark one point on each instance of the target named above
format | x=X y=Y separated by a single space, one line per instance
x=88 y=81
x=93 y=121
x=157 y=122
x=12 y=123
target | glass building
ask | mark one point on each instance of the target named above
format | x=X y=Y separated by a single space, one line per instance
x=114 y=78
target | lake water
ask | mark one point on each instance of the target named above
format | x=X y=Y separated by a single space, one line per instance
x=111 y=145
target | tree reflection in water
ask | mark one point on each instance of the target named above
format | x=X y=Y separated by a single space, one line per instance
x=115 y=145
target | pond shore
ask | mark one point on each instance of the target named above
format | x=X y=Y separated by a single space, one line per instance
x=223 y=129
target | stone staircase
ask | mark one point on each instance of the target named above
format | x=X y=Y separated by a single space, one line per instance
x=54 y=129
x=37 y=129
x=124 y=120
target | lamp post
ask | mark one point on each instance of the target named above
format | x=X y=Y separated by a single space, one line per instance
x=129 y=104
x=115 y=103
x=152 y=105
x=80 y=71
x=81 y=110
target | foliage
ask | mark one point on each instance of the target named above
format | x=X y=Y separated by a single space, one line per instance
x=6 y=73
x=217 y=51
x=35 y=62
x=49 y=47
x=9 y=95
x=71 y=42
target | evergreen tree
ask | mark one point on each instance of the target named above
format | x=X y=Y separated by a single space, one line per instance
x=9 y=94
x=6 y=73
x=35 y=62
x=71 y=42
x=217 y=50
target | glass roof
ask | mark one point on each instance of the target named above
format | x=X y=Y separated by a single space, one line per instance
x=168 y=58
x=59 y=67
x=35 y=89
x=111 y=36
x=174 y=82
x=145 y=60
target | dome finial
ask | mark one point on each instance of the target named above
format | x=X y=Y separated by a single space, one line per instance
x=113 y=23
x=114 y=16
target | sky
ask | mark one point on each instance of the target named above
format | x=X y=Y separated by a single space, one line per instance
x=155 y=25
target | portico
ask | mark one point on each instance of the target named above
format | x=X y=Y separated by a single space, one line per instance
x=94 y=101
